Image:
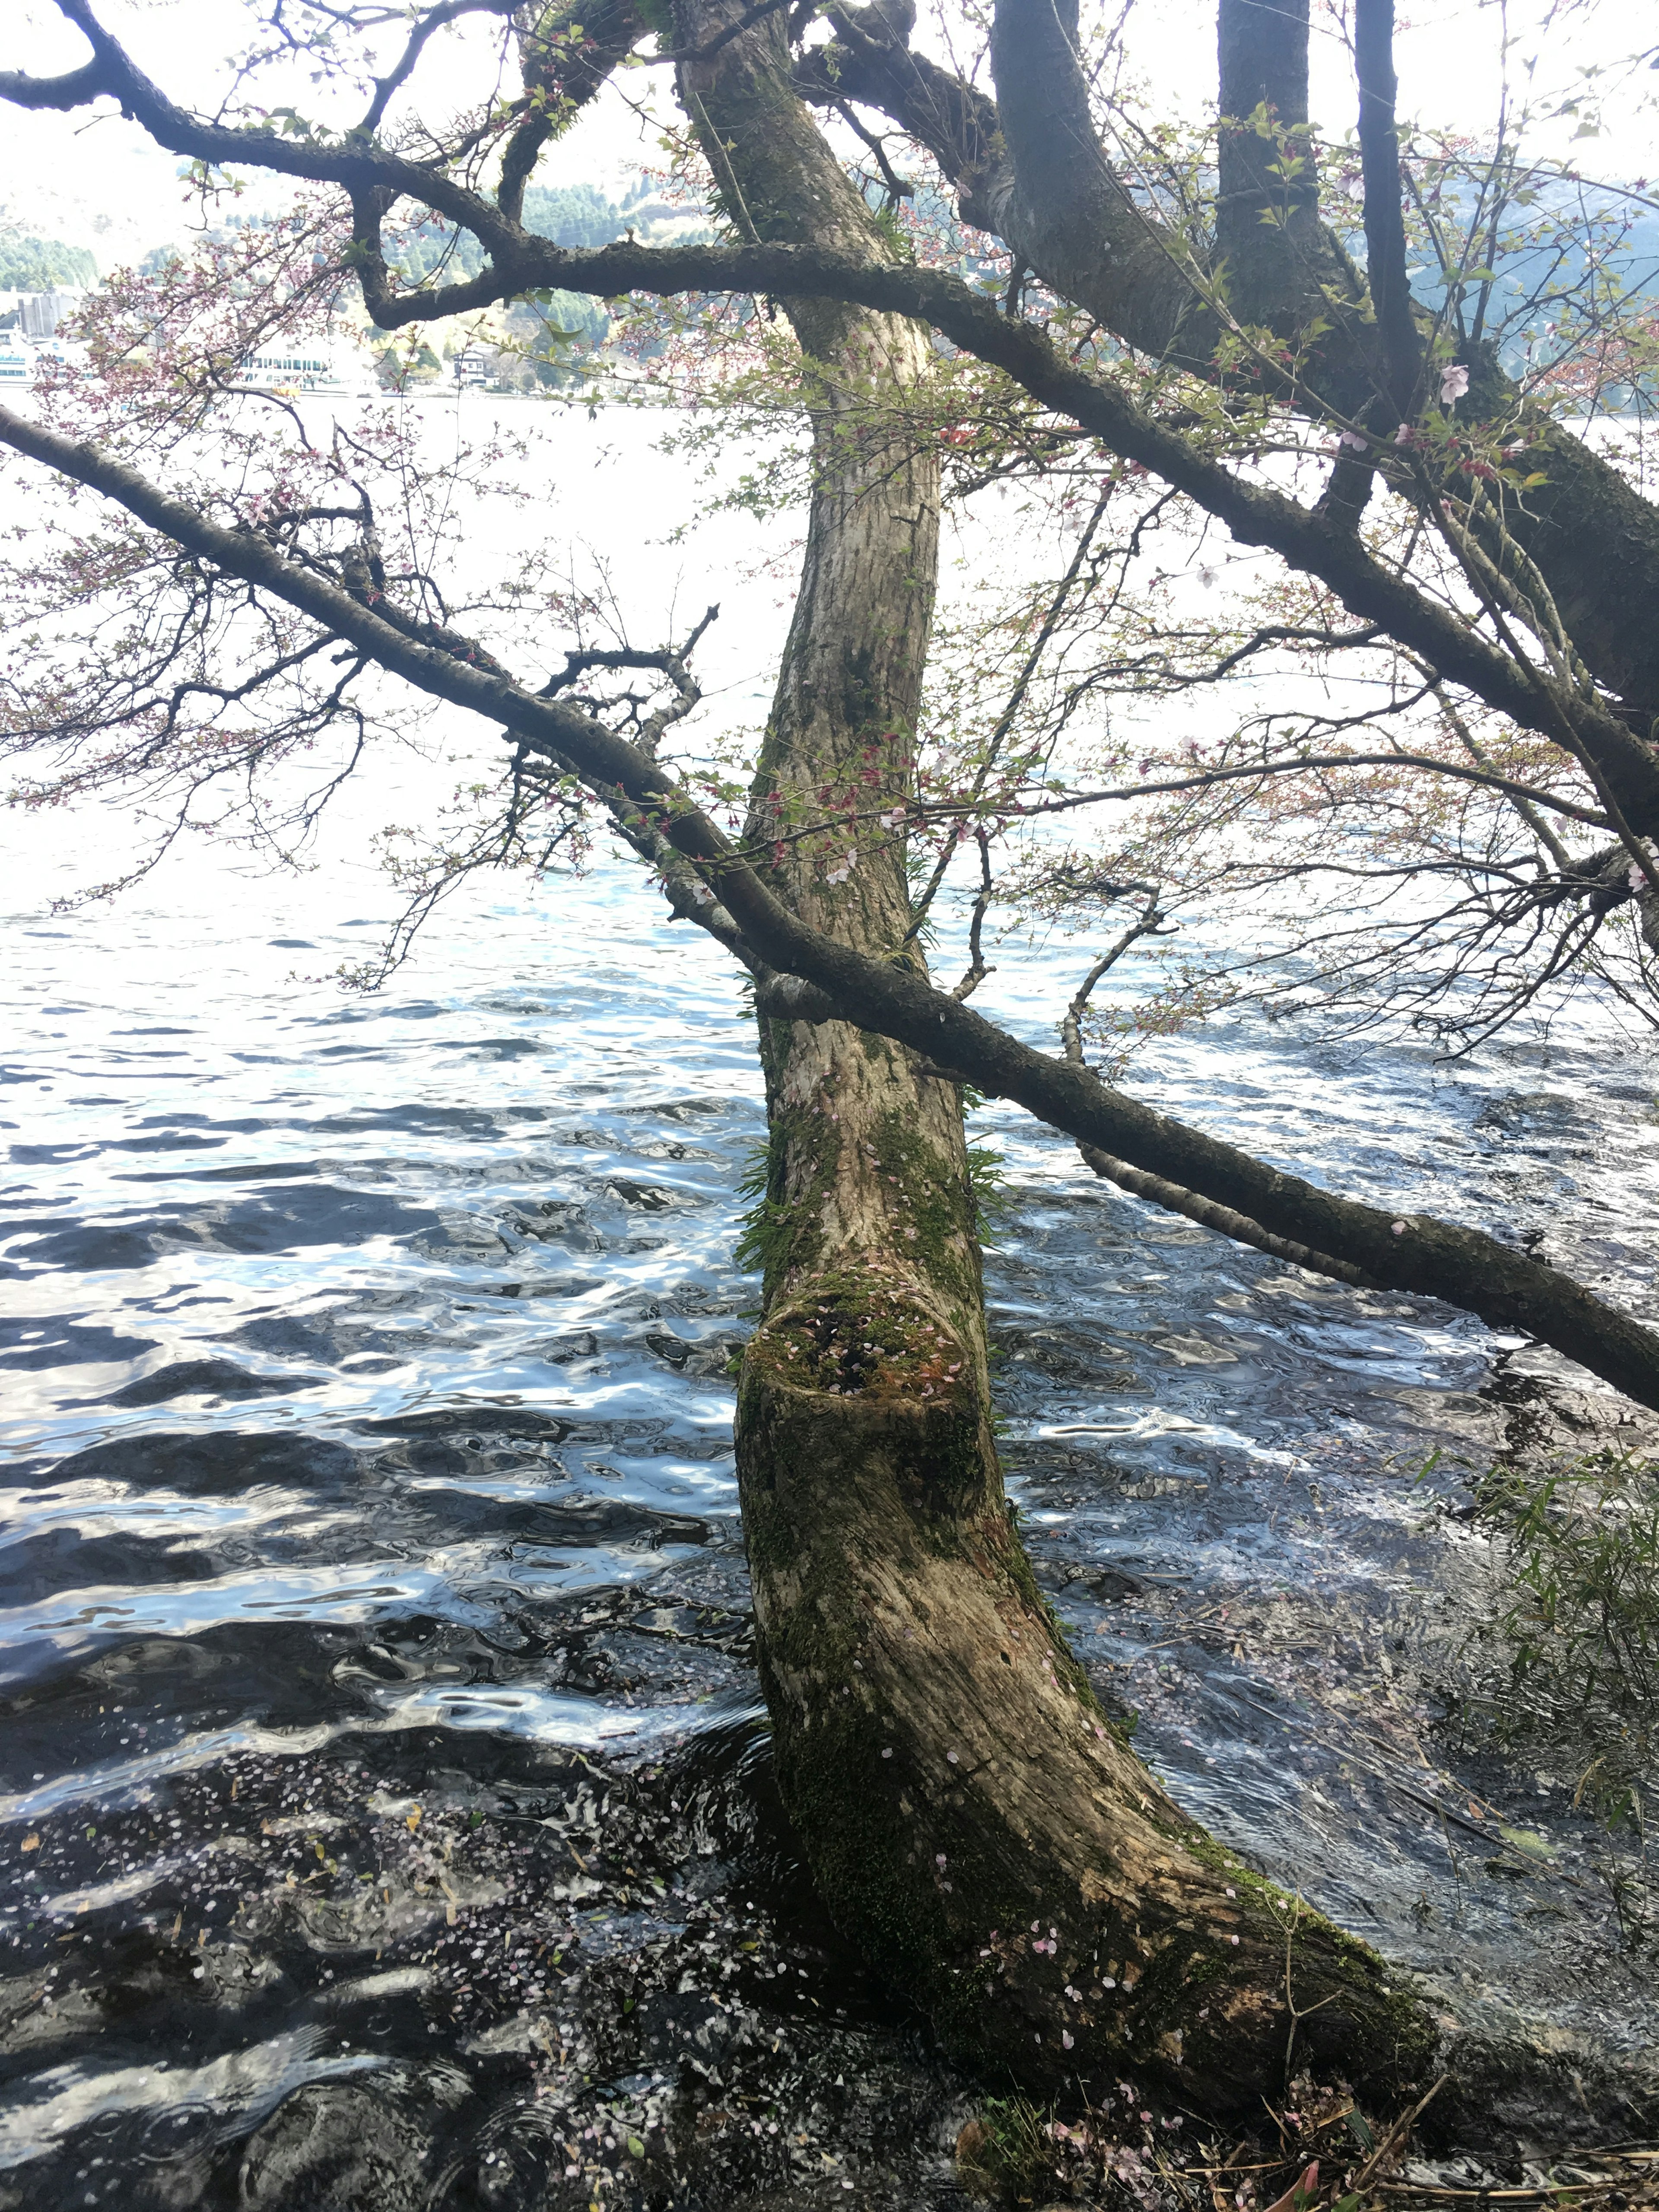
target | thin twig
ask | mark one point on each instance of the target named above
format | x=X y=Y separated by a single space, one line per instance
x=1016 y=700
x=1395 y=2138
x=977 y=970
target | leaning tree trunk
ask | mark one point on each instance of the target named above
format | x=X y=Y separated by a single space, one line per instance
x=971 y=1817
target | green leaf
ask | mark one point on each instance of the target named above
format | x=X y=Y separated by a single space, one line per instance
x=635 y=2147
x=1527 y=1840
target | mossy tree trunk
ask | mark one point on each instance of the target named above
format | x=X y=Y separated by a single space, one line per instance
x=971 y=1817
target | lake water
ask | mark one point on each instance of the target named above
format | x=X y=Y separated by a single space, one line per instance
x=384 y=1808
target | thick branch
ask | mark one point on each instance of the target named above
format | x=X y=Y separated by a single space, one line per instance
x=1254 y=513
x=1415 y=1253
x=1224 y=1219
x=1385 y=227
x=76 y=90
x=954 y=120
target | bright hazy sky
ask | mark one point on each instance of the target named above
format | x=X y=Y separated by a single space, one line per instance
x=102 y=183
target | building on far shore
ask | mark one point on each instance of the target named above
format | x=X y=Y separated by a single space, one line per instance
x=24 y=360
x=29 y=343
x=37 y=314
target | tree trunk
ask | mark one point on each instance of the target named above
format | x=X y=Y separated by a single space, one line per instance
x=971 y=1817
x=1267 y=234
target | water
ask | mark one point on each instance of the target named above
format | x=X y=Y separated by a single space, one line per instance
x=385 y=1810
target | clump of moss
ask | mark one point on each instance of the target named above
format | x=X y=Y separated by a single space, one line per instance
x=940 y=1206
x=867 y=1336
x=1007 y=2151
x=779 y=1229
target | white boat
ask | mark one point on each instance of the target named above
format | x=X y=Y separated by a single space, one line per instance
x=312 y=366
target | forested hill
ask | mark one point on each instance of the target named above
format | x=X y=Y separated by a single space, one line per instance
x=570 y=215
x=43 y=264
x=574 y=214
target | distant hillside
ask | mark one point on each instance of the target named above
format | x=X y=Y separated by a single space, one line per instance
x=574 y=215
x=571 y=216
x=43 y=264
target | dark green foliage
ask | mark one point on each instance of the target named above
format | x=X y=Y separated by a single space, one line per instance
x=1578 y=1627
x=42 y=264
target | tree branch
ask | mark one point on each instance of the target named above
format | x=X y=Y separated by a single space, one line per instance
x=1070 y=221
x=1091 y=241
x=426 y=28
x=1415 y=1253
x=77 y=88
x=1256 y=513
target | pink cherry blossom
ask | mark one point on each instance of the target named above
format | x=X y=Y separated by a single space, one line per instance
x=1453 y=383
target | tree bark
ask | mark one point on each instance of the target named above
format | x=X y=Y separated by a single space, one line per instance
x=972 y=1819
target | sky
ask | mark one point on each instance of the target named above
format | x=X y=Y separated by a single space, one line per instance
x=97 y=180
